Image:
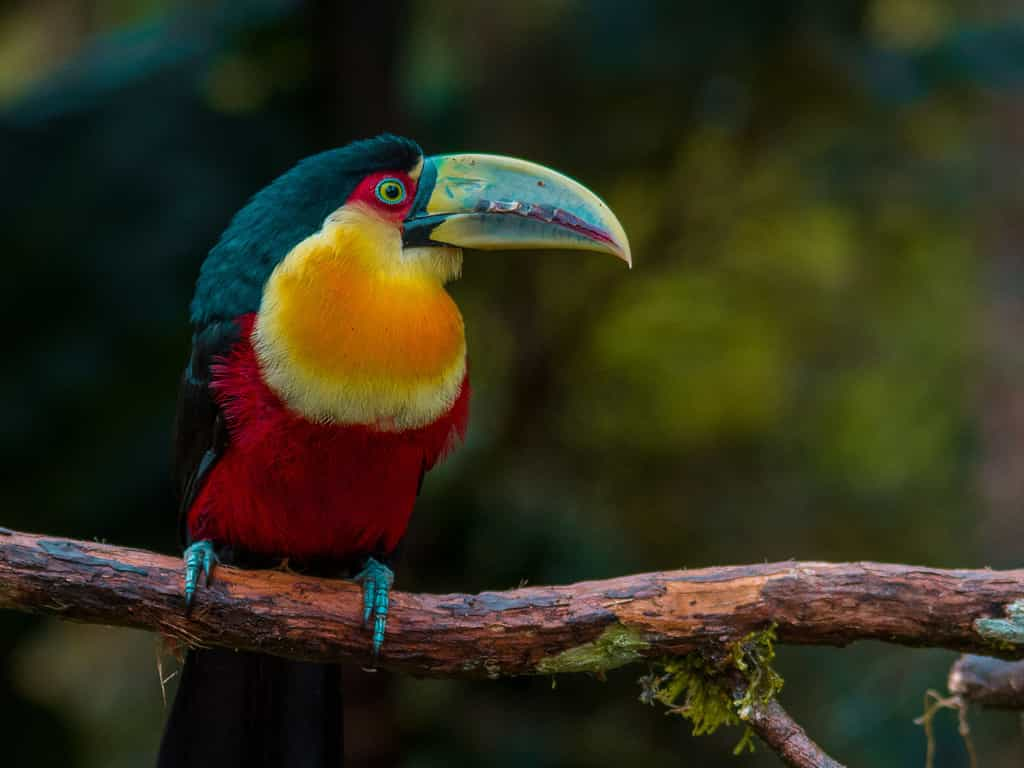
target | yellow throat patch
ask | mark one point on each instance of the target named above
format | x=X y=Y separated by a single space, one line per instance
x=353 y=329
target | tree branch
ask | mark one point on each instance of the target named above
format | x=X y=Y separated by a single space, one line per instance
x=586 y=627
x=785 y=736
x=992 y=683
x=590 y=626
x=782 y=733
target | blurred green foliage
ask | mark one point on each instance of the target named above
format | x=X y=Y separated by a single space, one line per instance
x=791 y=369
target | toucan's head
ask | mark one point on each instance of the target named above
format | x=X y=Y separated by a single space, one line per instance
x=424 y=209
x=344 y=257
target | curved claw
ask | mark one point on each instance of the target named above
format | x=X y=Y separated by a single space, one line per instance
x=376 y=579
x=198 y=557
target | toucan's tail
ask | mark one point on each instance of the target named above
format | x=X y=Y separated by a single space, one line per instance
x=245 y=709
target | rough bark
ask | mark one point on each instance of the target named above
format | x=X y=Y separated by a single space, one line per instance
x=590 y=626
x=778 y=730
x=786 y=738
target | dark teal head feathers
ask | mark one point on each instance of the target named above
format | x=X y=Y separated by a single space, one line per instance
x=280 y=216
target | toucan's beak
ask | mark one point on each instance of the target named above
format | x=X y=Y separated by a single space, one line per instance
x=488 y=202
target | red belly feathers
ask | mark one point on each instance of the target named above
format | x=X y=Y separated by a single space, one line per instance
x=289 y=487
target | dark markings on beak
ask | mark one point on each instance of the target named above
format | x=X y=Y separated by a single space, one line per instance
x=546 y=213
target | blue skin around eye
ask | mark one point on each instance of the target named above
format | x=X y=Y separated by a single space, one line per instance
x=380 y=195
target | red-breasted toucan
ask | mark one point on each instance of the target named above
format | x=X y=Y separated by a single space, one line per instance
x=328 y=373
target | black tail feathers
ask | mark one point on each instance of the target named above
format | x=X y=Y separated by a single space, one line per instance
x=245 y=709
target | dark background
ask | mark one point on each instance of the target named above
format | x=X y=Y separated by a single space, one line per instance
x=816 y=356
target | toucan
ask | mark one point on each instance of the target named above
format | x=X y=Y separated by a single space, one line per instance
x=328 y=374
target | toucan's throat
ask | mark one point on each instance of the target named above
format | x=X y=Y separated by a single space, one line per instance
x=347 y=332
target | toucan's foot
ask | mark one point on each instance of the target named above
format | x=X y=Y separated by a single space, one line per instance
x=198 y=557
x=376 y=579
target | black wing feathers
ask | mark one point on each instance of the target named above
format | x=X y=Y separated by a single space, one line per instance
x=200 y=435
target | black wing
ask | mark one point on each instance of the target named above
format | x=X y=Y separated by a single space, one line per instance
x=200 y=435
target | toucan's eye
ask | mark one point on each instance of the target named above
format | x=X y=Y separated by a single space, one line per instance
x=390 y=191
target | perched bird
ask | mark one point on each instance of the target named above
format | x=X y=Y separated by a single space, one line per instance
x=328 y=373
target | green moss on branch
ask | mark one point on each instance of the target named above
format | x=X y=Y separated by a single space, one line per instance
x=712 y=692
x=616 y=647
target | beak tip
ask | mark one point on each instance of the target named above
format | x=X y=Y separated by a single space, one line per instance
x=616 y=236
x=622 y=249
